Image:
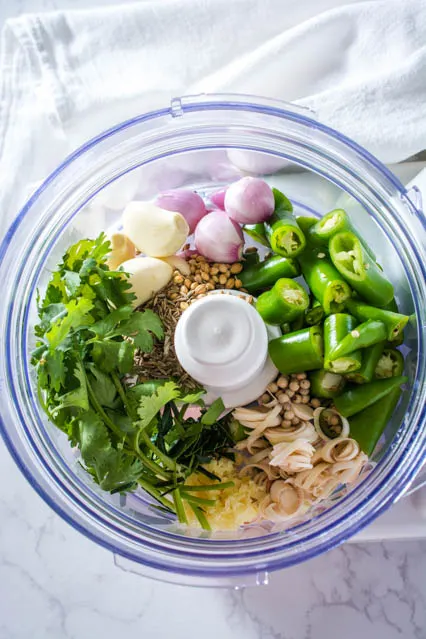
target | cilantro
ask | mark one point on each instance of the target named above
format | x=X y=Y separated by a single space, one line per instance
x=150 y=406
x=86 y=340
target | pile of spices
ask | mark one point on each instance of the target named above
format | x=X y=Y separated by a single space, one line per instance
x=170 y=303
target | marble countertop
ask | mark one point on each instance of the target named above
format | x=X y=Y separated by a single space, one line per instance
x=56 y=584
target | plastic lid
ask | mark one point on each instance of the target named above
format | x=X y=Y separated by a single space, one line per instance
x=221 y=341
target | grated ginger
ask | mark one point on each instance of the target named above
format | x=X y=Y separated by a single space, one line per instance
x=235 y=506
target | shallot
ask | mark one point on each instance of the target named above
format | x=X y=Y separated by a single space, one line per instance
x=219 y=238
x=185 y=202
x=249 y=201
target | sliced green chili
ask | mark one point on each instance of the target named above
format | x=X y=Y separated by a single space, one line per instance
x=332 y=223
x=325 y=282
x=336 y=327
x=251 y=256
x=367 y=426
x=365 y=334
x=326 y=384
x=298 y=323
x=370 y=358
x=390 y=364
x=283 y=303
x=299 y=351
x=315 y=314
x=354 y=400
x=256 y=232
x=282 y=231
x=359 y=269
x=305 y=223
x=256 y=277
x=394 y=322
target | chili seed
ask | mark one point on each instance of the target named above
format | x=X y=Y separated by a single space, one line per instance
x=236 y=268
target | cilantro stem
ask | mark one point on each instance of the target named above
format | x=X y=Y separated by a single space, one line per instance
x=98 y=408
x=121 y=392
x=180 y=509
x=155 y=468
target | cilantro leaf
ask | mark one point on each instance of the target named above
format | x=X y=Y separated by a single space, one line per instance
x=105 y=327
x=103 y=386
x=140 y=326
x=112 y=469
x=150 y=406
x=52 y=370
x=72 y=281
x=78 y=314
x=113 y=355
x=78 y=397
x=97 y=249
x=93 y=436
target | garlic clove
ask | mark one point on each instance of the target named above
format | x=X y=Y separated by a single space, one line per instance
x=147 y=275
x=178 y=264
x=122 y=249
x=154 y=231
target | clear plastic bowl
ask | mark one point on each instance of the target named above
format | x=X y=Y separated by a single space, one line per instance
x=206 y=142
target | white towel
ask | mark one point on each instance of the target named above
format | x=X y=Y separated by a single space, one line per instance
x=360 y=66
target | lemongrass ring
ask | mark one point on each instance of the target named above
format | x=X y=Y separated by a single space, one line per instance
x=343 y=425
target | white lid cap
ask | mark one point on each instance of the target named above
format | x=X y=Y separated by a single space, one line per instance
x=221 y=341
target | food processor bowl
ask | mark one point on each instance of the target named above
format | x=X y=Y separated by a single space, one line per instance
x=206 y=142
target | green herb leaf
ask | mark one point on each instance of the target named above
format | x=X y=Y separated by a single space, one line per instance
x=106 y=326
x=150 y=406
x=140 y=326
x=102 y=386
x=78 y=397
x=76 y=317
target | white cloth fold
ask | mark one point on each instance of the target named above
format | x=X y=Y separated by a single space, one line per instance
x=360 y=66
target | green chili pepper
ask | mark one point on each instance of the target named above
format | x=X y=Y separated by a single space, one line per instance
x=370 y=358
x=326 y=384
x=315 y=314
x=392 y=306
x=390 y=364
x=324 y=281
x=299 y=351
x=264 y=274
x=394 y=322
x=329 y=225
x=305 y=223
x=251 y=256
x=298 y=323
x=367 y=426
x=283 y=303
x=359 y=269
x=256 y=232
x=283 y=232
x=336 y=327
x=355 y=399
x=285 y=328
x=365 y=334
